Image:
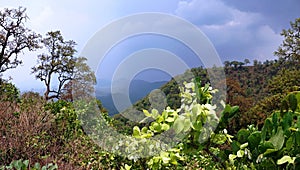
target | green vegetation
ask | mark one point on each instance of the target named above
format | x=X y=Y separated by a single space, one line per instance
x=257 y=128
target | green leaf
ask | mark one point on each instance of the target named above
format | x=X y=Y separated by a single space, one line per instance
x=136 y=132
x=264 y=146
x=146 y=113
x=275 y=120
x=293 y=102
x=170 y=119
x=37 y=166
x=298 y=98
x=219 y=139
x=156 y=127
x=187 y=125
x=155 y=113
x=233 y=111
x=243 y=146
x=179 y=124
x=17 y=164
x=278 y=139
x=289 y=143
x=267 y=128
x=53 y=167
x=242 y=135
x=235 y=146
x=254 y=139
x=127 y=167
x=297 y=137
x=285 y=159
x=287 y=121
x=269 y=151
x=232 y=157
x=165 y=127
x=240 y=153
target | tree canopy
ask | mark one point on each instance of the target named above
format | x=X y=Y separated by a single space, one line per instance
x=14 y=37
x=57 y=64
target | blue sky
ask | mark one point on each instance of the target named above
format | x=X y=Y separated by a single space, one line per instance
x=238 y=29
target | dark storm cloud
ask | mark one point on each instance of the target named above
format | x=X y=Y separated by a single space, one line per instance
x=277 y=14
x=241 y=29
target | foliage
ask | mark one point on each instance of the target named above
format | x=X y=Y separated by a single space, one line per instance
x=276 y=145
x=196 y=120
x=289 y=50
x=8 y=91
x=24 y=165
x=14 y=37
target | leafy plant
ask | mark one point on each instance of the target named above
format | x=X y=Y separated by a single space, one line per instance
x=277 y=145
x=24 y=165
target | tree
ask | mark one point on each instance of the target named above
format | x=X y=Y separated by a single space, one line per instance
x=246 y=61
x=234 y=63
x=58 y=64
x=227 y=64
x=290 y=48
x=82 y=83
x=14 y=37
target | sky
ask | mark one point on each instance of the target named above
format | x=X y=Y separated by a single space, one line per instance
x=237 y=29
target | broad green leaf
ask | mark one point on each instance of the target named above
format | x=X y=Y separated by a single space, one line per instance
x=160 y=119
x=232 y=157
x=254 y=139
x=289 y=143
x=278 y=139
x=197 y=125
x=37 y=166
x=285 y=159
x=275 y=120
x=293 y=102
x=26 y=163
x=144 y=130
x=297 y=137
x=269 y=151
x=233 y=110
x=53 y=167
x=240 y=153
x=127 y=167
x=165 y=127
x=146 y=113
x=264 y=146
x=136 y=131
x=196 y=110
x=186 y=125
x=155 y=113
x=267 y=128
x=164 y=114
x=298 y=98
x=156 y=127
x=170 y=119
x=179 y=124
x=235 y=146
x=287 y=121
x=298 y=122
x=242 y=135
x=243 y=146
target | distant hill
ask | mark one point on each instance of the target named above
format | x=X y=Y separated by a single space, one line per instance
x=138 y=89
x=249 y=87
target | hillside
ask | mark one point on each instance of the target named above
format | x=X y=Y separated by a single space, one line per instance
x=247 y=86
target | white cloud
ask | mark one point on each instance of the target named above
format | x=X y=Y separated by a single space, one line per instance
x=204 y=12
